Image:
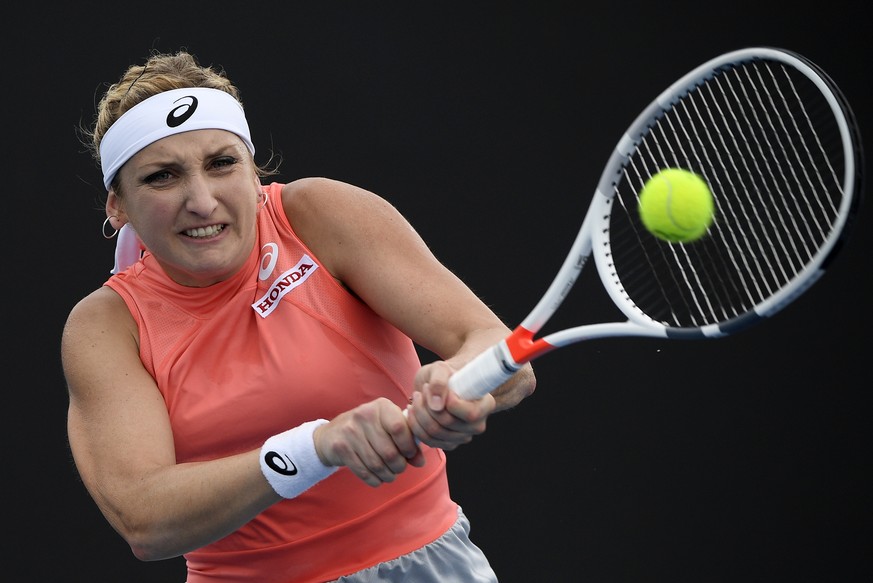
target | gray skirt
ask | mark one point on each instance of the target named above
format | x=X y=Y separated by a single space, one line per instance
x=452 y=558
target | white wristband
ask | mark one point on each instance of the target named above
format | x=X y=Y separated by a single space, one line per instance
x=290 y=463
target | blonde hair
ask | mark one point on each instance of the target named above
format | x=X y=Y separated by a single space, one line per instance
x=161 y=72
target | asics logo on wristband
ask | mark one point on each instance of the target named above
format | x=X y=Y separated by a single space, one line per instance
x=286 y=477
x=279 y=464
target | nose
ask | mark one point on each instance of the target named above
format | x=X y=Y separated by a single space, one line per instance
x=200 y=197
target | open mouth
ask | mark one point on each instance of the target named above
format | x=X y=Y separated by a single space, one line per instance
x=204 y=232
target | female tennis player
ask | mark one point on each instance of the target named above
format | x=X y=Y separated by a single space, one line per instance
x=244 y=389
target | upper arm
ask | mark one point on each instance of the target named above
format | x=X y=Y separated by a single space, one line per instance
x=117 y=422
x=373 y=250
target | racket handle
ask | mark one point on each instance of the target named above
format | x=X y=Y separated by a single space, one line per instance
x=484 y=373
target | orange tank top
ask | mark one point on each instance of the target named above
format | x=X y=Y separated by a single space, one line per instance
x=278 y=344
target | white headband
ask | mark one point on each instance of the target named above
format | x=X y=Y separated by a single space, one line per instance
x=168 y=113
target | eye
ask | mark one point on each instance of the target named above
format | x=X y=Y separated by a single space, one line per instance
x=158 y=177
x=224 y=162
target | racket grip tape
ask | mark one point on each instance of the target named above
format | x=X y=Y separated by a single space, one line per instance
x=484 y=373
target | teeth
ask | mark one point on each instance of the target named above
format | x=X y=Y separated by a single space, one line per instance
x=205 y=231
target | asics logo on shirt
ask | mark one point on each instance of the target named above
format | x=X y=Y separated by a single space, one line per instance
x=284 y=283
x=269 y=257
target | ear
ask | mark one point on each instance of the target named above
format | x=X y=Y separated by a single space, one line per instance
x=114 y=208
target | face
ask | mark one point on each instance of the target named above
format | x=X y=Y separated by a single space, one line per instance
x=193 y=200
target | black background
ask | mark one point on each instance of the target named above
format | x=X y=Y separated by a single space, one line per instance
x=487 y=125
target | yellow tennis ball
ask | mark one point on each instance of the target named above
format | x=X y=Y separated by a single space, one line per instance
x=676 y=205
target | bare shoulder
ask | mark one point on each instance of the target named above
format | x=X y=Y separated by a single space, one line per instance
x=99 y=306
x=329 y=199
x=98 y=328
x=342 y=222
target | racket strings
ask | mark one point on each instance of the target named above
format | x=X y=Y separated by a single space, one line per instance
x=657 y=151
x=777 y=147
x=754 y=199
x=765 y=138
x=707 y=155
x=645 y=296
x=675 y=277
x=820 y=182
x=786 y=213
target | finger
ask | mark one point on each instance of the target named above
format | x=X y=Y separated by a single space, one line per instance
x=472 y=412
x=362 y=470
x=434 y=384
x=389 y=445
x=367 y=451
x=397 y=427
x=436 y=429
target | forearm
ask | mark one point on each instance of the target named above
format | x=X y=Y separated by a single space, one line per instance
x=520 y=386
x=176 y=509
x=515 y=390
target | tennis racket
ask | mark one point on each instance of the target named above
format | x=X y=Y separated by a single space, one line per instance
x=779 y=147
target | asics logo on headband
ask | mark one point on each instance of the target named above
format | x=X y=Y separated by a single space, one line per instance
x=188 y=110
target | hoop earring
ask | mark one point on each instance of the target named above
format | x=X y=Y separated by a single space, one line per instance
x=266 y=199
x=103 y=229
